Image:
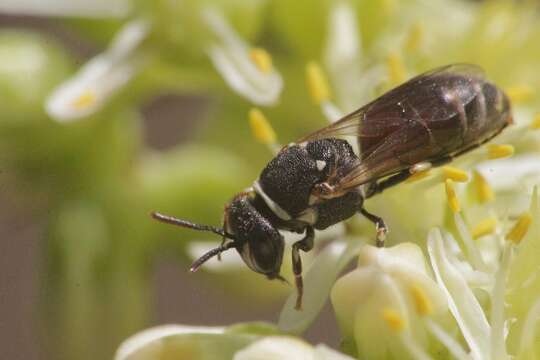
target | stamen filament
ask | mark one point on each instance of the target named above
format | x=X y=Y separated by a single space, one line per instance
x=262 y=130
x=396 y=69
x=484 y=227
x=495 y=151
x=423 y=304
x=262 y=59
x=317 y=83
x=394 y=319
x=535 y=125
x=484 y=192
x=414 y=38
x=455 y=174
x=520 y=229
x=453 y=201
x=519 y=93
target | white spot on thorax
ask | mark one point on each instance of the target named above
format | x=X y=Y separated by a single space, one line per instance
x=321 y=165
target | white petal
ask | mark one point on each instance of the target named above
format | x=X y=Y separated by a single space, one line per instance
x=323 y=352
x=230 y=56
x=474 y=254
x=447 y=340
x=525 y=170
x=100 y=78
x=529 y=331
x=82 y=8
x=147 y=338
x=276 y=348
x=461 y=301
x=498 y=339
x=318 y=282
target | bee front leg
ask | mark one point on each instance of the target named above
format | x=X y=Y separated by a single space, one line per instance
x=306 y=244
x=380 y=226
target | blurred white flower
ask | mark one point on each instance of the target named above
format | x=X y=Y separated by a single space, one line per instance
x=248 y=71
x=100 y=78
x=149 y=343
x=282 y=347
x=85 y=8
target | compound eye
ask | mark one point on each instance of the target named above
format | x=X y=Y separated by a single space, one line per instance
x=263 y=254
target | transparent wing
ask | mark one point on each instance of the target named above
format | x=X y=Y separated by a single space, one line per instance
x=383 y=115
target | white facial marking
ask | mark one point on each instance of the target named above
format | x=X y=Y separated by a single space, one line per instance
x=321 y=165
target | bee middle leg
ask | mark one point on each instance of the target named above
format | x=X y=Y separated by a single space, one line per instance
x=380 y=226
x=306 y=244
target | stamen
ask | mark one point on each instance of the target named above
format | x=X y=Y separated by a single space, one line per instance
x=496 y=151
x=453 y=201
x=260 y=127
x=484 y=192
x=423 y=304
x=519 y=93
x=484 y=227
x=520 y=229
x=316 y=83
x=396 y=69
x=455 y=174
x=85 y=100
x=414 y=38
x=535 y=125
x=262 y=59
x=418 y=176
x=394 y=319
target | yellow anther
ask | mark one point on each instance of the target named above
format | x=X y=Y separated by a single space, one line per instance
x=453 y=201
x=519 y=93
x=520 y=229
x=414 y=38
x=496 y=151
x=396 y=69
x=484 y=192
x=262 y=59
x=453 y=173
x=535 y=125
x=261 y=128
x=484 y=227
x=86 y=99
x=418 y=176
x=316 y=83
x=423 y=304
x=394 y=319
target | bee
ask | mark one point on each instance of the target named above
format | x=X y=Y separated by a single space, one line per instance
x=320 y=180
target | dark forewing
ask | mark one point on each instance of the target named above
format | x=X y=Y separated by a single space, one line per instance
x=392 y=129
x=353 y=123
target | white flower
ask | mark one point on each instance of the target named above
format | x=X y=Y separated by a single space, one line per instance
x=282 y=347
x=247 y=71
x=100 y=78
x=85 y=8
x=149 y=343
x=379 y=305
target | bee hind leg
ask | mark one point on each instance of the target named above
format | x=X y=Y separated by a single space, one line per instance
x=306 y=244
x=380 y=226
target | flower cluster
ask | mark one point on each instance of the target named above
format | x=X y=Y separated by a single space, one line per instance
x=461 y=277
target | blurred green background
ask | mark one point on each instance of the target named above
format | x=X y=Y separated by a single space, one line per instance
x=82 y=266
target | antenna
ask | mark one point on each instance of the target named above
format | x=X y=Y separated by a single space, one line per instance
x=188 y=224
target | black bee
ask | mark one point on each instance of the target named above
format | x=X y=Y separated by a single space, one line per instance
x=319 y=180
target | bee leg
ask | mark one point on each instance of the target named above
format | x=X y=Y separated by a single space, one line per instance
x=378 y=187
x=380 y=226
x=306 y=244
